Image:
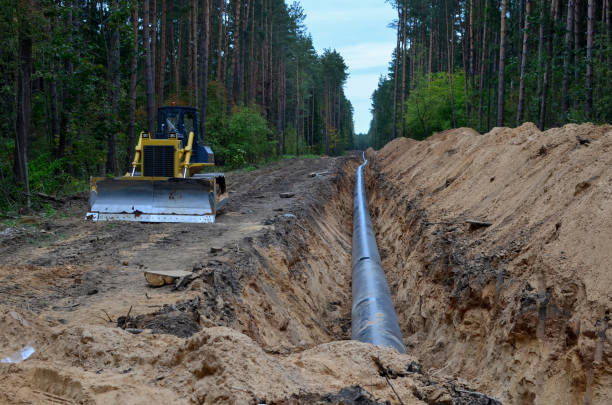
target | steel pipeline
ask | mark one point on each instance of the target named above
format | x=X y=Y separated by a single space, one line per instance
x=373 y=316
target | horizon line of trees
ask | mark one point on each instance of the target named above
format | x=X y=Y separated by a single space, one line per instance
x=486 y=63
x=81 y=78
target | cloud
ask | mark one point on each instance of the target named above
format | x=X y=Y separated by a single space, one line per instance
x=350 y=14
x=367 y=55
x=359 y=88
x=358 y=29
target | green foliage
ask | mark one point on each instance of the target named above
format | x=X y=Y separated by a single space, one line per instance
x=53 y=176
x=451 y=41
x=306 y=156
x=9 y=191
x=428 y=108
x=74 y=118
x=47 y=175
x=244 y=141
x=249 y=132
x=362 y=141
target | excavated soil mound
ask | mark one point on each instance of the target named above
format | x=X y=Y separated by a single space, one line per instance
x=497 y=248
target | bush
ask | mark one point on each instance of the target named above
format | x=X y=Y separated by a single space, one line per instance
x=248 y=137
x=428 y=108
x=47 y=175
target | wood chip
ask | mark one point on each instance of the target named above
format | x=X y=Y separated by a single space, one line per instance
x=159 y=278
x=478 y=224
x=315 y=174
x=28 y=220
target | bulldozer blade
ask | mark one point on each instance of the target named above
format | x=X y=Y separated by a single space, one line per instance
x=194 y=200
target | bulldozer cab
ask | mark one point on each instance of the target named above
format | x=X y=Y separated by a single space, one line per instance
x=177 y=122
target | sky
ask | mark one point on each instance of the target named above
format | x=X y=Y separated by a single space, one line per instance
x=358 y=30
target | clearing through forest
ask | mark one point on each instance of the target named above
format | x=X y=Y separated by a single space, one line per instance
x=514 y=306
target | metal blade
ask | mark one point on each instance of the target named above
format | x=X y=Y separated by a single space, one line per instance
x=152 y=200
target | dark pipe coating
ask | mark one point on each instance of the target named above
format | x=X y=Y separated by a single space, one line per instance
x=373 y=316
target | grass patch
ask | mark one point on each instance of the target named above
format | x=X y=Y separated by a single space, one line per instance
x=306 y=156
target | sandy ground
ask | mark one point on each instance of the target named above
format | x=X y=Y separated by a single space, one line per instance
x=265 y=320
x=520 y=308
x=517 y=311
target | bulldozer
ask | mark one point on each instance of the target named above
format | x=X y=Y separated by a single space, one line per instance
x=164 y=183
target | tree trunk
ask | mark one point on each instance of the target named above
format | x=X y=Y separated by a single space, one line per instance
x=577 y=49
x=546 y=80
x=133 y=82
x=472 y=46
x=483 y=62
x=396 y=72
x=219 y=77
x=194 y=51
x=205 y=44
x=178 y=43
x=226 y=57
x=431 y=40
x=154 y=45
x=235 y=82
x=243 y=54
x=589 y=59
x=569 y=27
x=541 y=38
x=284 y=102
x=490 y=71
x=149 y=85
x=252 y=61
x=521 y=100
x=279 y=132
x=328 y=120
x=450 y=35
x=403 y=95
x=67 y=99
x=502 y=65
x=608 y=25
x=264 y=59
x=466 y=67
x=235 y=56
x=112 y=164
x=55 y=124
x=339 y=113
x=161 y=65
x=190 y=58
x=297 y=105
x=24 y=100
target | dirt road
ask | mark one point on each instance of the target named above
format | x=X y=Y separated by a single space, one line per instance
x=71 y=269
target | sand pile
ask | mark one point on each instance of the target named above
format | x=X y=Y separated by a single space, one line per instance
x=520 y=308
x=100 y=365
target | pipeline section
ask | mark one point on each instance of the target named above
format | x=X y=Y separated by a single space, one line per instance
x=373 y=317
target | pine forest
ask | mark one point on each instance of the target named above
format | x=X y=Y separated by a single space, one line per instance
x=488 y=63
x=81 y=79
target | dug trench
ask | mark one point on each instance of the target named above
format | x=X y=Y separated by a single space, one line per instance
x=263 y=318
x=514 y=306
x=497 y=252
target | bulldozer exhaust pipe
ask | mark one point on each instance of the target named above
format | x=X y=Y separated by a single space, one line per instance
x=373 y=317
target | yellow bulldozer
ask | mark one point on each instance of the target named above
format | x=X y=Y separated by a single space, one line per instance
x=164 y=183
